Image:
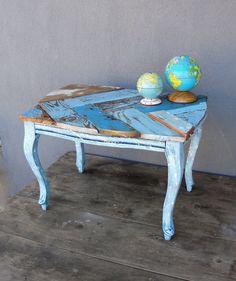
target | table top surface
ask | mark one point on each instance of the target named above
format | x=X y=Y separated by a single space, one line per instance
x=114 y=111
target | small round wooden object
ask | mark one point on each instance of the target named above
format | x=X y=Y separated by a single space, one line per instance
x=182 y=97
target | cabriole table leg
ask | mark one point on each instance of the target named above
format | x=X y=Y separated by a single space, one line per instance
x=31 y=153
x=175 y=159
x=80 y=156
x=195 y=139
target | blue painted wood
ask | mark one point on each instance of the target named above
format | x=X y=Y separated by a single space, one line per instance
x=175 y=159
x=31 y=153
x=100 y=140
x=144 y=124
x=173 y=108
x=192 y=117
x=173 y=122
x=36 y=114
x=104 y=123
x=60 y=112
x=33 y=113
x=195 y=139
x=119 y=105
x=101 y=97
x=96 y=120
x=80 y=156
x=57 y=110
x=200 y=105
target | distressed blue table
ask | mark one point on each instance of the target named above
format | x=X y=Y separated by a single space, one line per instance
x=110 y=116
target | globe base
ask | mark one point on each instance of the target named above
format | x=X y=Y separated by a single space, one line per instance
x=147 y=101
x=182 y=97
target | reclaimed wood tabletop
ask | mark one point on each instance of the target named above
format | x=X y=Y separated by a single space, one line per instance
x=117 y=112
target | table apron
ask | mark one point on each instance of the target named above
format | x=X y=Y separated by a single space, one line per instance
x=119 y=142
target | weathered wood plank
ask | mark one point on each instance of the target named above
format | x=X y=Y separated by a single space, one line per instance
x=193 y=117
x=61 y=113
x=166 y=105
x=95 y=211
x=101 y=97
x=104 y=123
x=39 y=116
x=180 y=126
x=88 y=117
x=58 y=110
x=119 y=105
x=77 y=90
x=174 y=108
x=24 y=259
x=36 y=114
x=192 y=107
x=139 y=194
x=148 y=128
x=129 y=243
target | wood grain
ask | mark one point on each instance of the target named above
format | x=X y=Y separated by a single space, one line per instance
x=182 y=97
x=37 y=115
x=89 y=118
x=25 y=259
x=122 y=242
x=112 y=213
x=104 y=123
x=113 y=111
x=180 y=126
x=61 y=113
x=138 y=191
x=82 y=90
x=97 y=98
x=147 y=127
x=192 y=117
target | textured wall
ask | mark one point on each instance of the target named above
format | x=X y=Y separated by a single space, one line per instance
x=46 y=44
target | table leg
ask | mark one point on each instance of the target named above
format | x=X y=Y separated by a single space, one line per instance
x=175 y=159
x=31 y=153
x=195 y=139
x=80 y=156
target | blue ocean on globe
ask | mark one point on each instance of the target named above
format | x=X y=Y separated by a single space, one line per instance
x=182 y=73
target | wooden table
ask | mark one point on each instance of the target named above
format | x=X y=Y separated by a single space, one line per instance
x=111 y=116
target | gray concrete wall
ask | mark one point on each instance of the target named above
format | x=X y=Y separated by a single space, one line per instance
x=47 y=44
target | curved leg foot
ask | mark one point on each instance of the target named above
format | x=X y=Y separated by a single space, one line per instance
x=44 y=206
x=80 y=157
x=195 y=139
x=175 y=159
x=31 y=153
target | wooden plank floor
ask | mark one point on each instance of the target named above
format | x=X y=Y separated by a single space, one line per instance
x=105 y=225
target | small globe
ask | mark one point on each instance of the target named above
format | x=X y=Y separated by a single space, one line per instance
x=150 y=85
x=182 y=73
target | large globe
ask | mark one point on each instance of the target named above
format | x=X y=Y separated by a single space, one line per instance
x=182 y=73
x=150 y=85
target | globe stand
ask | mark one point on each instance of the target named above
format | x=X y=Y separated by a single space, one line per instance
x=147 y=101
x=182 y=97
